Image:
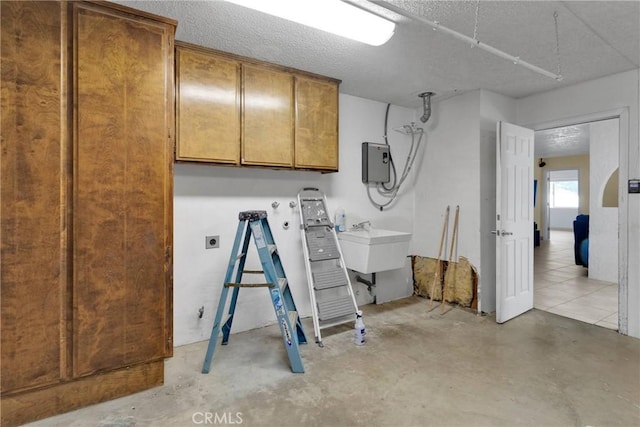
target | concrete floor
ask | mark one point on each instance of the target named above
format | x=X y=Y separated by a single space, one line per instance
x=417 y=369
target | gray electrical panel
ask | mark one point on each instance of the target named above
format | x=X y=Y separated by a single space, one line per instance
x=375 y=162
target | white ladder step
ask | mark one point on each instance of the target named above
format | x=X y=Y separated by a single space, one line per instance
x=335 y=307
x=329 y=279
x=322 y=244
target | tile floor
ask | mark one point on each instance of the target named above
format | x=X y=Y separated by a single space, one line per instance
x=563 y=288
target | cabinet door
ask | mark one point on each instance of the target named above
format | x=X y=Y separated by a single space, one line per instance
x=33 y=261
x=316 y=124
x=208 y=100
x=123 y=72
x=267 y=137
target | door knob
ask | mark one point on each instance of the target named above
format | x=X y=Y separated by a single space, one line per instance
x=496 y=232
x=506 y=233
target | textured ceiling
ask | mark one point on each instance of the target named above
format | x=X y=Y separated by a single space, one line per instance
x=597 y=38
x=564 y=141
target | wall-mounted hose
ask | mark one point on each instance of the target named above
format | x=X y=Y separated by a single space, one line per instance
x=391 y=191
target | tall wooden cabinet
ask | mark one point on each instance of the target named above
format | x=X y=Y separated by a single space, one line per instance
x=86 y=156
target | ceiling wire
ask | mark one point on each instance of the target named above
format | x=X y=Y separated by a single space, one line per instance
x=555 y=19
x=475 y=28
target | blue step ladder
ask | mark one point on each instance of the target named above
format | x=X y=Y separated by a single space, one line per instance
x=255 y=223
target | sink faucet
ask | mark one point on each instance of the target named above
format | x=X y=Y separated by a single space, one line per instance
x=364 y=225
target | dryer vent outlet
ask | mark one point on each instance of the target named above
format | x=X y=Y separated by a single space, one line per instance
x=212 y=242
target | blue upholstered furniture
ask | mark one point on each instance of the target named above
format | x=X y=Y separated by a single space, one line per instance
x=580 y=234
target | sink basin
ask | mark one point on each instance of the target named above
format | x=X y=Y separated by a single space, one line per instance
x=370 y=251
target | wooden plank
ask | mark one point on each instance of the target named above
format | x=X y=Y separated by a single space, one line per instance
x=122 y=188
x=26 y=407
x=33 y=272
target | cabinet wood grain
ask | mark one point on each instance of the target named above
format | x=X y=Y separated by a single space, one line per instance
x=122 y=189
x=242 y=111
x=267 y=117
x=208 y=114
x=316 y=144
x=33 y=273
x=86 y=157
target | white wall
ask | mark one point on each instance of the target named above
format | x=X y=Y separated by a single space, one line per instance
x=493 y=108
x=207 y=200
x=603 y=222
x=562 y=218
x=612 y=93
x=450 y=175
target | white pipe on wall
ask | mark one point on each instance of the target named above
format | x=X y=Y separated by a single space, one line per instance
x=473 y=42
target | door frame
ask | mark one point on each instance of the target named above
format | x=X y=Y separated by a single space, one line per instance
x=623 y=208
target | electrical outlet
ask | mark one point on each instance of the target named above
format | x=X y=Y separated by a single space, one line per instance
x=212 y=242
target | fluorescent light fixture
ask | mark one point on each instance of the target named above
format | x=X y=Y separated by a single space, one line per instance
x=333 y=16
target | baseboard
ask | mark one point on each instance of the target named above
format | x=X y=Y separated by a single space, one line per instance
x=41 y=403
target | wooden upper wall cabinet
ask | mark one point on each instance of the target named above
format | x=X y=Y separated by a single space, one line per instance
x=208 y=100
x=316 y=124
x=267 y=117
x=240 y=111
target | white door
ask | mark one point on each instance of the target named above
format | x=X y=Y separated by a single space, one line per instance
x=547 y=207
x=514 y=221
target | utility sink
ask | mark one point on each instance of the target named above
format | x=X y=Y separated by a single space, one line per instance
x=370 y=251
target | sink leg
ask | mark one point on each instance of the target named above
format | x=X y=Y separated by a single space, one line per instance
x=370 y=283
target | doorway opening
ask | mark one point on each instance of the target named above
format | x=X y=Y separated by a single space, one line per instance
x=563 y=198
x=576 y=264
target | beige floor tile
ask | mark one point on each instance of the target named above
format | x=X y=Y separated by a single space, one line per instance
x=577 y=289
x=592 y=313
x=580 y=315
x=555 y=265
x=607 y=297
x=612 y=319
x=573 y=270
x=607 y=325
x=549 y=276
x=592 y=300
x=549 y=297
x=540 y=284
x=563 y=288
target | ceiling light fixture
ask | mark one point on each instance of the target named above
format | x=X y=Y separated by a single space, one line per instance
x=471 y=40
x=333 y=16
